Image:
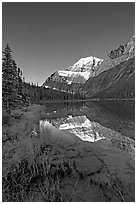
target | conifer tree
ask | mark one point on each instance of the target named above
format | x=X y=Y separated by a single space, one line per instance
x=20 y=84
x=9 y=80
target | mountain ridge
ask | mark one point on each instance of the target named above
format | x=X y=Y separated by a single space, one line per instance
x=78 y=75
x=117 y=82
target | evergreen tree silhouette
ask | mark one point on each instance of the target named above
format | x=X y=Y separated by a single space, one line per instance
x=10 y=81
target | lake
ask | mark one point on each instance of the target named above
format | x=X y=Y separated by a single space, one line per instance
x=93 y=121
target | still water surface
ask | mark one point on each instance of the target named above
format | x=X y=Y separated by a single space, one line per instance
x=113 y=121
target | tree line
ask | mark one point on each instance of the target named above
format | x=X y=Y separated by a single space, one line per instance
x=16 y=92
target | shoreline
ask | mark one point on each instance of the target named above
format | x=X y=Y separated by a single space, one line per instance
x=84 y=100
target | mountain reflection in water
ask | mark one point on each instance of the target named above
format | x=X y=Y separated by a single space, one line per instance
x=80 y=126
x=94 y=121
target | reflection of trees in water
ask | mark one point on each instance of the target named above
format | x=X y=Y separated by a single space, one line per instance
x=64 y=108
x=123 y=109
x=116 y=115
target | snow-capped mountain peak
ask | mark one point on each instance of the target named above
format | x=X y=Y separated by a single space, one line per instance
x=81 y=70
x=87 y=60
x=78 y=73
x=85 y=64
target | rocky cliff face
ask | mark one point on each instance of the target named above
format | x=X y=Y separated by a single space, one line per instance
x=85 y=76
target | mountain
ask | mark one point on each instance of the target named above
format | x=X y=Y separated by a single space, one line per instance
x=116 y=75
x=118 y=82
x=70 y=78
x=117 y=56
x=111 y=77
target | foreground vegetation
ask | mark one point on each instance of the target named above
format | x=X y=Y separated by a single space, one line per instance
x=36 y=169
x=26 y=162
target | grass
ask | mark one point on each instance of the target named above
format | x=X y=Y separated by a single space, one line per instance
x=33 y=177
x=28 y=168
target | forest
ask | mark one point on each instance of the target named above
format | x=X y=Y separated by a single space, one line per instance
x=16 y=92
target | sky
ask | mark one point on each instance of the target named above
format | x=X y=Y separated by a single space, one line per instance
x=46 y=37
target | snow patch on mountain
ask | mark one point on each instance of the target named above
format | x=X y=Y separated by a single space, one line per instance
x=87 y=61
x=86 y=74
x=65 y=73
x=69 y=82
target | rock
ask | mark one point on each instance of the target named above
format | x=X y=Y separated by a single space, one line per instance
x=88 y=165
x=117 y=53
x=71 y=154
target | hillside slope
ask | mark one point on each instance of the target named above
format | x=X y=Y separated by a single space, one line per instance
x=117 y=82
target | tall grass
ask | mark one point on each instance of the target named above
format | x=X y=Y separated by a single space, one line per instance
x=28 y=169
